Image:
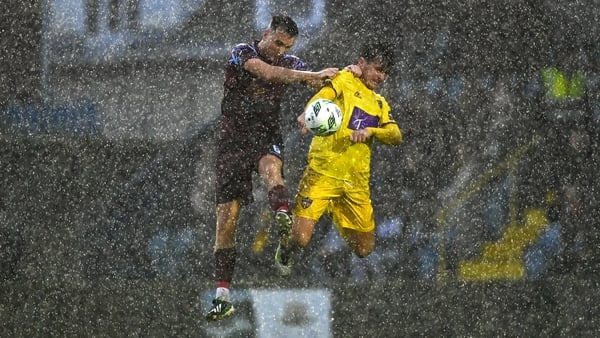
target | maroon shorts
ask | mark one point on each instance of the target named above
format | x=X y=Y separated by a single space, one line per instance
x=235 y=165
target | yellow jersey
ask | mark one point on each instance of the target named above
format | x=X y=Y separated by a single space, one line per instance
x=335 y=155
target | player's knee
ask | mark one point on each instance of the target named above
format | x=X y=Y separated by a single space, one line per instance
x=362 y=252
x=363 y=248
x=303 y=240
x=362 y=243
x=270 y=165
x=302 y=231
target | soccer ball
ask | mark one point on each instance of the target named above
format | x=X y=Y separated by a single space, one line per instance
x=323 y=117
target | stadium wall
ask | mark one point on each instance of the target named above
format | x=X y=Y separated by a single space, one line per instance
x=156 y=82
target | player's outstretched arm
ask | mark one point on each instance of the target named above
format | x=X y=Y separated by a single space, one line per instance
x=286 y=75
x=317 y=84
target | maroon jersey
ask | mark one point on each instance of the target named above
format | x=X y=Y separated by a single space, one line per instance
x=251 y=106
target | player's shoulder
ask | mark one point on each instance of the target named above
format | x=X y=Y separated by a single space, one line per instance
x=243 y=52
x=244 y=48
x=380 y=97
x=292 y=61
x=382 y=102
x=344 y=79
x=345 y=75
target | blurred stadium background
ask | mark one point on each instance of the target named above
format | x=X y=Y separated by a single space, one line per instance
x=488 y=213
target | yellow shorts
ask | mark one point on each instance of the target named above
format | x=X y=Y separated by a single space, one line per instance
x=348 y=203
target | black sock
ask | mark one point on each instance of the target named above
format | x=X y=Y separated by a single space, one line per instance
x=278 y=198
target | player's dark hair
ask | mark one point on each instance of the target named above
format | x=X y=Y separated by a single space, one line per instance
x=284 y=23
x=379 y=51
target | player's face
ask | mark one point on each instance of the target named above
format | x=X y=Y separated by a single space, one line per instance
x=275 y=43
x=373 y=73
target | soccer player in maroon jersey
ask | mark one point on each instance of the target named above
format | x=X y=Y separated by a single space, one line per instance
x=250 y=139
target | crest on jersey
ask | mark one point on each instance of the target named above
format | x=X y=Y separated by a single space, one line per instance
x=306 y=202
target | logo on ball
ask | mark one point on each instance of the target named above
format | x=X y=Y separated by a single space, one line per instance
x=323 y=117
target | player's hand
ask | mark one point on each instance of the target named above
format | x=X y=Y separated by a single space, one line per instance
x=327 y=73
x=360 y=136
x=354 y=69
x=302 y=125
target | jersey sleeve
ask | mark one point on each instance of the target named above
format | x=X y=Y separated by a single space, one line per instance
x=386 y=116
x=242 y=53
x=338 y=82
x=294 y=62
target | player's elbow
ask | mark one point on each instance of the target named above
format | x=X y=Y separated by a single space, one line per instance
x=362 y=252
x=302 y=239
x=396 y=138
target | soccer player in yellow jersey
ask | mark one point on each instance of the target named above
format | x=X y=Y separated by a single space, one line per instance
x=336 y=179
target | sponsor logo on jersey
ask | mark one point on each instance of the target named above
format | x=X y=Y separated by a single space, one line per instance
x=361 y=120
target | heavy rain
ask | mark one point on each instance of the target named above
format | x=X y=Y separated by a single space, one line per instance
x=486 y=215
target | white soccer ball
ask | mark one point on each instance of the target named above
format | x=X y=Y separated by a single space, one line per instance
x=323 y=117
